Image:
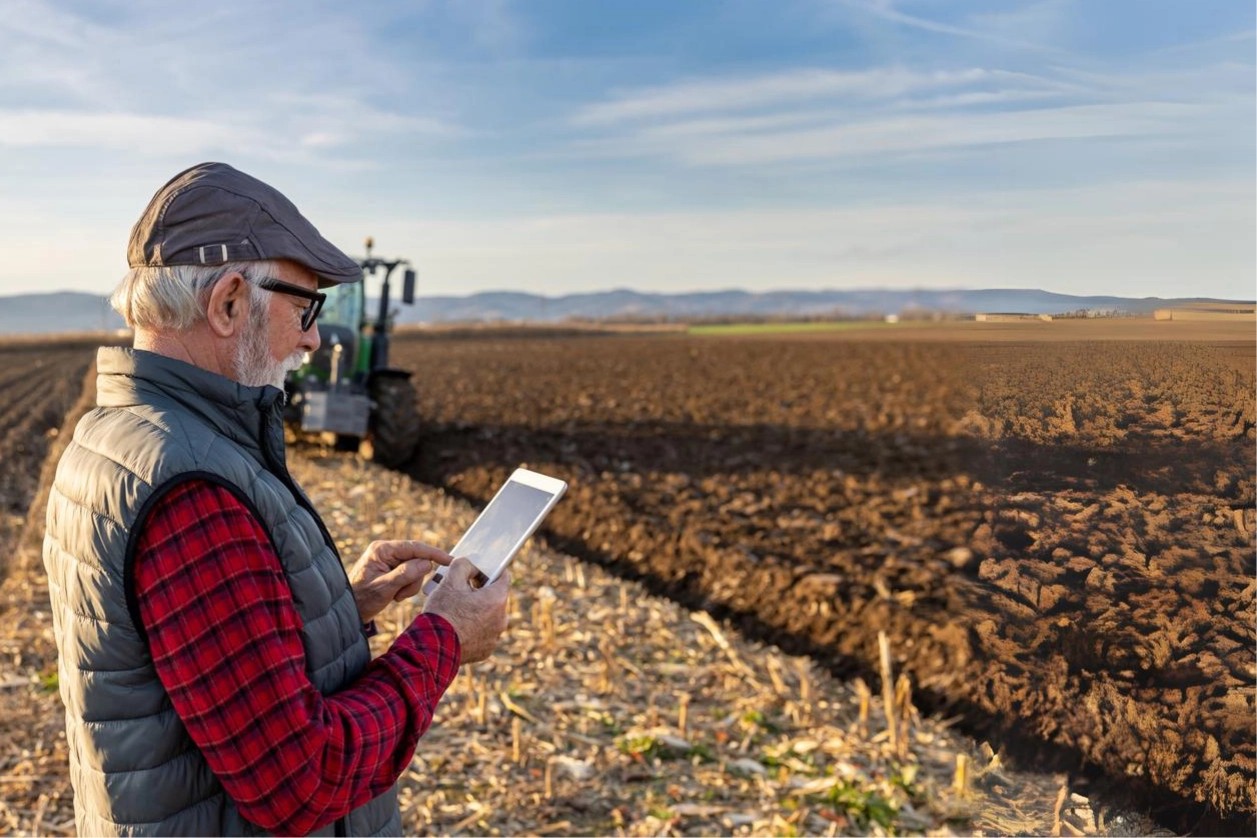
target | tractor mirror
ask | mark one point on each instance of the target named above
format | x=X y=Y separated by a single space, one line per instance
x=408 y=286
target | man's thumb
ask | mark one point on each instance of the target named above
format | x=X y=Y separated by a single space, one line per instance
x=461 y=570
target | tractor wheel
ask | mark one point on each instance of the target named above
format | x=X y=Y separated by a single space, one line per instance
x=394 y=421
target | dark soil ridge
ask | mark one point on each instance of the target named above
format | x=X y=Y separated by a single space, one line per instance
x=1169 y=810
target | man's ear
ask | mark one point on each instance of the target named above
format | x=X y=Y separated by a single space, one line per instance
x=228 y=307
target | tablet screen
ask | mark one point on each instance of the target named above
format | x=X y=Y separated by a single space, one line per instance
x=506 y=520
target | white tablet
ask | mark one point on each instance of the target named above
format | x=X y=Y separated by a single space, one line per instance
x=512 y=515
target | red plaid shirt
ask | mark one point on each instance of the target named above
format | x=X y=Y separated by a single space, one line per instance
x=226 y=643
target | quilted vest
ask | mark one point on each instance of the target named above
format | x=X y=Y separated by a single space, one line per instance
x=158 y=422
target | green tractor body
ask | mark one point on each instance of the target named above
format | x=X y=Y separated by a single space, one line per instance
x=346 y=392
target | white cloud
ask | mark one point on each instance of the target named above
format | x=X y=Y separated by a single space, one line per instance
x=806 y=116
x=1047 y=19
x=911 y=134
x=49 y=56
x=1212 y=44
x=758 y=140
x=997 y=34
x=153 y=84
x=492 y=24
x=782 y=89
x=329 y=128
x=33 y=21
x=354 y=118
x=141 y=133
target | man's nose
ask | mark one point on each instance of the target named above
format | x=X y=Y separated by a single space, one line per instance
x=310 y=340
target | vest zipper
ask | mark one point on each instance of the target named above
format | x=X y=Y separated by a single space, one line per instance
x=280 y=470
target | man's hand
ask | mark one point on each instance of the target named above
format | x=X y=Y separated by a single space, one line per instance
x=391 y=571
x=477 y=614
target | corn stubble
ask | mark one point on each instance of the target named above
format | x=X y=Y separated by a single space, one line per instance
x=611 y=711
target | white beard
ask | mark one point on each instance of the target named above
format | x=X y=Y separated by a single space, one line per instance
x=254 y=365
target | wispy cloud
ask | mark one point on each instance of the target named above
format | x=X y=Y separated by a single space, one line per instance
x=146 y=134
x=141 y=85
x=47 y=55
x=822 y=115
x=325 y=125
x=1245 y=36
x=910 y=134
x=791 y=88
x=494 y=25
x=1010 y=22
x=42 y=22
x=887 y=10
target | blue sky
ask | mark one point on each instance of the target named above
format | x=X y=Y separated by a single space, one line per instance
x=561 y=146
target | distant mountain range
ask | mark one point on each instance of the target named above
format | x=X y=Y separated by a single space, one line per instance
x=59 y=311
x=626 y=304
x=69 y=311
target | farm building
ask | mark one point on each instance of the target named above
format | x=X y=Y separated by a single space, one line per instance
x=1008 y=316
x=1197 y=313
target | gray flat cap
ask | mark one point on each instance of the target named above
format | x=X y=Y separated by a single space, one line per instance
x=212 y=213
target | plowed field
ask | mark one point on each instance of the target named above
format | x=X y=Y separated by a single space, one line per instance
x=38 y=384
x=1058 y=537
x=627 y=716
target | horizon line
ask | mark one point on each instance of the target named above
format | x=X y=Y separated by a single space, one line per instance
x=856 y=290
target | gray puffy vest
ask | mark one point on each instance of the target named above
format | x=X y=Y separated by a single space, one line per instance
x=159 y=422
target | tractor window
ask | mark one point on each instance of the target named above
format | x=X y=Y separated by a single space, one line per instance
x=343 y=306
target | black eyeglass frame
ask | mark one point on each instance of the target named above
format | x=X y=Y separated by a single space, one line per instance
x=308 y=314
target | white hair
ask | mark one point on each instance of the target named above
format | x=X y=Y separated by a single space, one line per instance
x=174 y=297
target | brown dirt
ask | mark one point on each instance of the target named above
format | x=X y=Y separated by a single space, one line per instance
x=1057 y=536
x=1033 y=332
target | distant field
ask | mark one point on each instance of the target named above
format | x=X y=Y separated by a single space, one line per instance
x=1185 y=328
x=1028 y=331
x=789 y=328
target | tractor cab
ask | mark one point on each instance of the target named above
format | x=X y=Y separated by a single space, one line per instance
x=341 y=334
x=346 y=392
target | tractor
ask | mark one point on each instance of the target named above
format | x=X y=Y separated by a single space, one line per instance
x=346 y=393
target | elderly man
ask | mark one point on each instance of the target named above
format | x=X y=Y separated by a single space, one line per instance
x=213 y=651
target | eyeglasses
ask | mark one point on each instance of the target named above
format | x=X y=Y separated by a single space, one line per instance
x=308 y=314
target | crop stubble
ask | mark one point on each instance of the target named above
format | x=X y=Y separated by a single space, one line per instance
x=1058 y=537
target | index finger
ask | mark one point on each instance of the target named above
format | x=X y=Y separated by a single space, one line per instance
x=394 y=553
